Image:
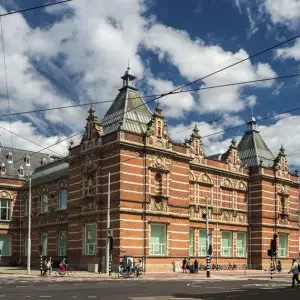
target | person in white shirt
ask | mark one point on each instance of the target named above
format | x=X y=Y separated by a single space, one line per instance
x=295 y=271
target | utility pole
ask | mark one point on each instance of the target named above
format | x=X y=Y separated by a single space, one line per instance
x=208 y=248
x=108 y=261
x=29 y=230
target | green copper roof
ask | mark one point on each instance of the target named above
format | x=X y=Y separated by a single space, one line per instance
x=128 y=111
x=253 y=150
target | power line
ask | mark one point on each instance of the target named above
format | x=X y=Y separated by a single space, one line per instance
x=52 y=145
x=24 y=138
x=260 y=119
x=150 y=96
x=34 y=7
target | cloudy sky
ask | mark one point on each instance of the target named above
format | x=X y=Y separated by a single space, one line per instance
x=76 y=52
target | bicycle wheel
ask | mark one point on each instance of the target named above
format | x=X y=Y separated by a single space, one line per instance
x=114 y=275
x=71 y=273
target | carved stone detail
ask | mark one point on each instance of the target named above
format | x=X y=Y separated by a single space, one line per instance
x=233 y=216
x=159 y=204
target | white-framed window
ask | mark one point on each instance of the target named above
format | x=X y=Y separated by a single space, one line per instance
x=241 y=244
x=2 y=168
x=202 y=242
x=282 y=245
x=44 y=243
x=44 y=203
x=9 y=157
x=62 y=243
x=5 y=210
x=62 y=200
x=191 y=241
x=27 y=160
x=90 y=239
x=158 y=241
x=5 y=245
x=21 y=171
x=226 y=243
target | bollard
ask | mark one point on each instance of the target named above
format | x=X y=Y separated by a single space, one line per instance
x=110 y=259
x=208 y=266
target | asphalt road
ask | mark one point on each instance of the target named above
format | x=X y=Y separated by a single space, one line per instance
x=16 y=289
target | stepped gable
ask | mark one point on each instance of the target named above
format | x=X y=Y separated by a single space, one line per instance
x=128 y=112
x=252 y=148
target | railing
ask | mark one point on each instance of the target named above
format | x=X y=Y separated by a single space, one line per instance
x=240 y=251
x=158 y=249
x=226 y=251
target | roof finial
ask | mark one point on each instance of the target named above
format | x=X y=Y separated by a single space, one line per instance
x=251 y=123
x=127 y=77
x=128 y=67
x=282 y=150
x=196 y=131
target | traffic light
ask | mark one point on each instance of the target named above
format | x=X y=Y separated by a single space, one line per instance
x=41 y=249
x=111 y=243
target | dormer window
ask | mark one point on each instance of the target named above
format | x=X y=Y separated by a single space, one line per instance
x=27 y=160
x=9 y=157
x=21 y=171
x=43 y=161
x=2 y=168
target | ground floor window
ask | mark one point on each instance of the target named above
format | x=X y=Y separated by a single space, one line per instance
x=241 y=244
x=202 y=243
x=226 y=243
x=44 y=243
x=158 y=241
x=282 y=245
x=90 y=239
x=5 y=245
x=62 y=243
x=191 y=241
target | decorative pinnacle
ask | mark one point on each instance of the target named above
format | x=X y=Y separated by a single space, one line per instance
x=196 y=131
x=233 y=142
x=91 y=110
x=158 y=109
x=282 y=149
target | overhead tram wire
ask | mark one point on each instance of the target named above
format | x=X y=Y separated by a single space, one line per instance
x=6 y=81
x=34 y=7
x=52 y=145
x=150 y=96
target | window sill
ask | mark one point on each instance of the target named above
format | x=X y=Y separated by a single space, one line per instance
x=6 y=221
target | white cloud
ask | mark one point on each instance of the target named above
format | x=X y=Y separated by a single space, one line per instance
x=285 y=12
x=195 y=59
x=290 y=52
x=174 y=106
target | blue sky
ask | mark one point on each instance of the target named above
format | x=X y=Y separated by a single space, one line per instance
x=76 y=52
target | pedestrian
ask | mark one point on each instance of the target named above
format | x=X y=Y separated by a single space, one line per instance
x=295 y=271
x=196 y=265
x=184 y=262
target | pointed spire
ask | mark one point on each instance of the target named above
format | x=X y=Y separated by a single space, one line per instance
x=128 y=78
x=157 y=110
x=251 y=123
x=91 y=114
x=282 y=150
x=233 y=143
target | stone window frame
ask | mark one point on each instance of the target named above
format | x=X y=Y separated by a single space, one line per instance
x=287 y=245
x=86 y=253
x=62 y=247
x=165 y=244
x=244 y=254
x=231 y=243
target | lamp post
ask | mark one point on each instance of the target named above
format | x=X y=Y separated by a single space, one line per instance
x=29 y=229
x=108 y=238
x=208 y=245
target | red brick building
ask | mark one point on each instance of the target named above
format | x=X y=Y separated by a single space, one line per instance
x=159 y=192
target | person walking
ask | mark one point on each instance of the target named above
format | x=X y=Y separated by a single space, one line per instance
x=295 y=271
x=184 y=262
x=196 y=265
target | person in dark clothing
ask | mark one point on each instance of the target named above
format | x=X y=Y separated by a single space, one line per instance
x=196 y=265
x=184 y=265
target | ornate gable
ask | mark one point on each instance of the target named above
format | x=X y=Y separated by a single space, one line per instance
x=93 y=131
x=157 y=131
x=195 y=146
x=280 y=164
x=232 y=157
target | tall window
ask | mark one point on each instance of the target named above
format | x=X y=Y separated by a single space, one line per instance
x=62 y=243
x=44 y=243
x=44 y=203
x=191 y=241
x=9 y=157
x=5 y=211
x=282 y=245
x=226 y=243
x=62 y=203
x=158 y=241
x=202 y=243
x=241 y=244
x=5 y=245
x=90 y=239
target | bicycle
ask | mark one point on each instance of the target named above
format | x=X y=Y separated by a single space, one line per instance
x=67 y=272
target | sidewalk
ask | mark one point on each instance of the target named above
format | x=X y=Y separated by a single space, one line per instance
x=16 y=272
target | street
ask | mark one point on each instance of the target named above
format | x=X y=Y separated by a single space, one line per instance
x=61 y=289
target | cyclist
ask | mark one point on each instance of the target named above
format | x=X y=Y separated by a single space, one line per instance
x=63 y=266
